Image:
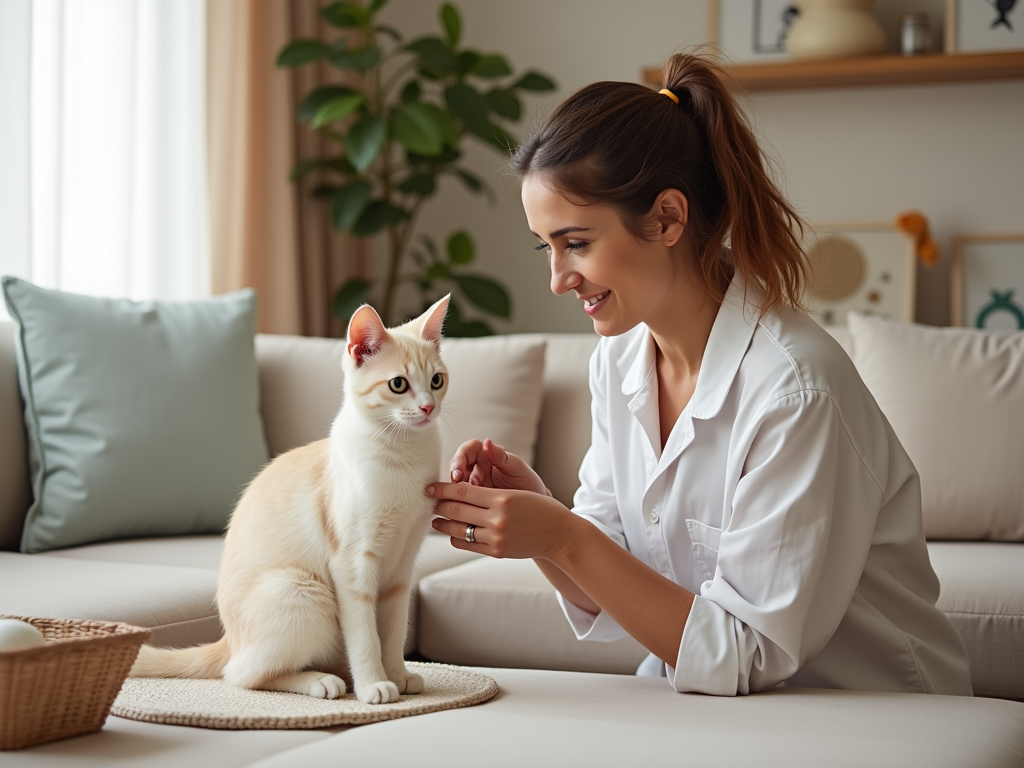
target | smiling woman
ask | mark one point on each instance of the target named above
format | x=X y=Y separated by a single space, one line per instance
x=745 y=511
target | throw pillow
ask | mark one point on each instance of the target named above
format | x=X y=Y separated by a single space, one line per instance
x=955 y=398
x=142 y=417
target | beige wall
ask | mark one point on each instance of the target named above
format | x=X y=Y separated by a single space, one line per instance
x=954 y=152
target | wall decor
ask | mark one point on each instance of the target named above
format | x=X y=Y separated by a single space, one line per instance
x=747 y=31
x=974 y=26
x=987 y=281
x=860 y=266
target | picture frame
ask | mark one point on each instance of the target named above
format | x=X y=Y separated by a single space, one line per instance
x=983 y=26
x=856 y=266
x=987 y=281
x=750 y=31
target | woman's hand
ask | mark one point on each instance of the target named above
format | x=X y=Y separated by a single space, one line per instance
x=508 y=523
x=489 y=465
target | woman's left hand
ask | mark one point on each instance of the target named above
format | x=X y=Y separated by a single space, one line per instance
x=515 y=524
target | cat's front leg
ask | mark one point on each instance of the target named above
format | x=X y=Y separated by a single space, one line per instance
x=358 y=615
x=393 y=612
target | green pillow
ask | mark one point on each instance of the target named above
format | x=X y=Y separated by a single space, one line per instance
x=142 y=417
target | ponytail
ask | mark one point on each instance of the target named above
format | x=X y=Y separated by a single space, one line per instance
x=624 y=144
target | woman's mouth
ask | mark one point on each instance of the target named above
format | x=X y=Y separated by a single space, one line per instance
x=593 y=305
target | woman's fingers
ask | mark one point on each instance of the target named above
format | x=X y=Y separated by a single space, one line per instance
x=457 y=530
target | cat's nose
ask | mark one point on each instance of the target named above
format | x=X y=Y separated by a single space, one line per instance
x=426 y=409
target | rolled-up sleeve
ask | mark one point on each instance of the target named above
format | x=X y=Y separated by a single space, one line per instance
x=595 y=501
x=797 y=531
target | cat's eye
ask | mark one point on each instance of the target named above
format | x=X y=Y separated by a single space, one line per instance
x=398 y=385
x=438 y=381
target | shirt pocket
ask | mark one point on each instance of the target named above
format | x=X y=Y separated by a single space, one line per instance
x=704 y=540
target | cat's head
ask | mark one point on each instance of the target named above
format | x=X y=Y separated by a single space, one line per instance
x=396 y=376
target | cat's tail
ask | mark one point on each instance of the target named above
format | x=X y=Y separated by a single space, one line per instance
x=199 y=661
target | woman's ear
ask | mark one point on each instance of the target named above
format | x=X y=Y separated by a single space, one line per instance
x=366 y=333
x=671 y=210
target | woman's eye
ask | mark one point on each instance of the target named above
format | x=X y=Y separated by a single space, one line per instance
x=543 y=247
x=438 y=381
x=398 y=385
x=575 y=245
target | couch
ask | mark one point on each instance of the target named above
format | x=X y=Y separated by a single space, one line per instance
x=563 y=702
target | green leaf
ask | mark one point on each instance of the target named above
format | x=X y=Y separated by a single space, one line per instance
x=486 y=294
x=460 y=248
x=364 y=141
x=377 y=215
x=448 y=155
x=492 y=65
x=495 y=135
x=534 y=81
x=452 y=24
x=350 y=297
x=345 y=15
x=468 y=104
x=376 y=5
x=325 y=191
x=360 y=59
x=414 y=127
x=437 y=271
x=336 y=109
x=339 y=164
x=465 y=61
x=505 y=103
x=390 y=31
x=349 y=202
x=422 y=184
x=300 y=52
x=435 y=58
x=312 y=103
x=411 y=91
x=455 y=326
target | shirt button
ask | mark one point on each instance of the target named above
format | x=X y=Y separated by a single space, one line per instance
x=654 y=516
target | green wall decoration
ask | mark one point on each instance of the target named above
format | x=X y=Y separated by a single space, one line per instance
x=1001 y=302
x=395 y=136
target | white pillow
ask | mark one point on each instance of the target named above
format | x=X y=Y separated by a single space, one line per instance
x=955 y=398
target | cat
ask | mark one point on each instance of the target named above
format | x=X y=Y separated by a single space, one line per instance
x=315 y=578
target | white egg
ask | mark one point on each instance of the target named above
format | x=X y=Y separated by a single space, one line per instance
x=17 y=635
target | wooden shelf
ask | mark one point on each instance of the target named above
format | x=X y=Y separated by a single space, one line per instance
x=872 y=71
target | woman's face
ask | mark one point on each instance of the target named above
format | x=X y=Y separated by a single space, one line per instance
x=620 y=279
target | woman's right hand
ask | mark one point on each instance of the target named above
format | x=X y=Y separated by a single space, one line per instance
x=489 y=465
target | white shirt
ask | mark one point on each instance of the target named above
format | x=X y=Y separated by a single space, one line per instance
x=782 y=500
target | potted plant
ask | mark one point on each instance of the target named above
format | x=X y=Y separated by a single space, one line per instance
x=396 y=134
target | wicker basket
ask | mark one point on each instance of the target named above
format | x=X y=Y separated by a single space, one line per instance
x=66 y=687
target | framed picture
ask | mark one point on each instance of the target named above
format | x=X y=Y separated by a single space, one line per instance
x=987 y=288
x=860 y=266
x=746 y=31
x=974 y=26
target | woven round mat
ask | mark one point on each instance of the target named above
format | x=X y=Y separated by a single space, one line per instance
x=215 y=704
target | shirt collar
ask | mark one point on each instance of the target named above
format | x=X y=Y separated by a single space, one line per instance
x=730 y=336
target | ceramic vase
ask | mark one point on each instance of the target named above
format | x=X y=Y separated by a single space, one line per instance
x=828 y=29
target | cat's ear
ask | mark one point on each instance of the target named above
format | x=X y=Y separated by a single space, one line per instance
x=366 y=333
x=433 y=319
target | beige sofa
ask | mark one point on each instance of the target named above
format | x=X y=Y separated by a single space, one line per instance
x=558 y=705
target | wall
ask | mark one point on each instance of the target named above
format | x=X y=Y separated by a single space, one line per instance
x=951 y=151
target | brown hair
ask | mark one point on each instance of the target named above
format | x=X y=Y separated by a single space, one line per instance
x=623 y=144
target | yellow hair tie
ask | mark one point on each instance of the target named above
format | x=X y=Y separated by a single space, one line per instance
x=669 y=93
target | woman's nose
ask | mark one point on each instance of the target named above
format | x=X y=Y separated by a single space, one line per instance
x=563 y=279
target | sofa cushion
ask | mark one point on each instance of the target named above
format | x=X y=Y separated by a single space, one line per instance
x=504 y=613
x=175 y=603
x=955 y=398
x=982 y=592
x=186 y=551
x=542 y=718
x=142 y=416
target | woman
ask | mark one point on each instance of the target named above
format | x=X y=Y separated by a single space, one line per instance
x=745 y=510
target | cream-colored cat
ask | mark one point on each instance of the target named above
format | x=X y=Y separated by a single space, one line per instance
x=314 y=581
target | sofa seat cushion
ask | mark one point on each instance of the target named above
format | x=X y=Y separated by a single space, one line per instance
x=186 y=551
x=982 y=591
x=504 y=613
x=175 y=603
x=570 y=719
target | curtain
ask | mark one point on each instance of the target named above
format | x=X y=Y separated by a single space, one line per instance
x=266 y=231
x=107 y=188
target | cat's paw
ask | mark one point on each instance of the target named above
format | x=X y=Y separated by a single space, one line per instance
x=327 y=687
x=383 y=692
x=408 y=682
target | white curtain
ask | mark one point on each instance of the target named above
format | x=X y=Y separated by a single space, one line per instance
x=103 y=125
